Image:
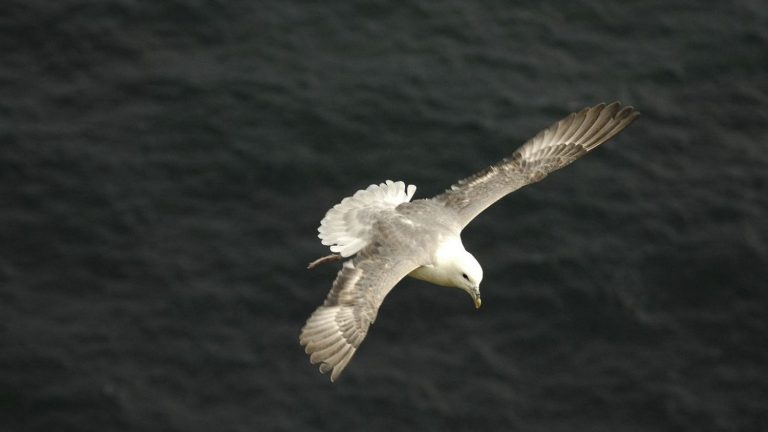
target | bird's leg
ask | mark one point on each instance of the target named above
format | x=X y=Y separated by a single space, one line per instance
x=323 y=260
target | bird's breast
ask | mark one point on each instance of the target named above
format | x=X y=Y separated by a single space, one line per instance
x=432 y=274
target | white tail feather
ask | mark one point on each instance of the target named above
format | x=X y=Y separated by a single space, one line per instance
x=346 y=227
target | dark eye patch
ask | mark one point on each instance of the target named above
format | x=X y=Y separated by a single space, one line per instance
x=464 y=275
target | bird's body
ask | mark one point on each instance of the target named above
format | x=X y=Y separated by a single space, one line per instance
x=385 y=236
x=432 y=229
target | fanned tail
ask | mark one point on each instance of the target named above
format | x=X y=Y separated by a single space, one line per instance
x=346 y=227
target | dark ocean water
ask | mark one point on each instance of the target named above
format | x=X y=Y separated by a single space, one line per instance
x=164 y=166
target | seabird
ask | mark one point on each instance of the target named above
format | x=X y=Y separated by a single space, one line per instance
x=383 y=236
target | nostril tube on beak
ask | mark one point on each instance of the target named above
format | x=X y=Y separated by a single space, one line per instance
x=476 y=296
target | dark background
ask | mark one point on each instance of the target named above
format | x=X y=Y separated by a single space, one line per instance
x=164 y=166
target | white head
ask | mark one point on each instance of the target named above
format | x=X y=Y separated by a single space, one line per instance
x=453 y=267
x=465 y=273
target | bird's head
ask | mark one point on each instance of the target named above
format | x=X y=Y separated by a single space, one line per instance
x=467 y=275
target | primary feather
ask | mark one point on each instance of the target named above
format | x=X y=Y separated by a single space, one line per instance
x=551 y=149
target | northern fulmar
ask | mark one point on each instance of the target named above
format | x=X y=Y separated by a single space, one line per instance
x=383 y=236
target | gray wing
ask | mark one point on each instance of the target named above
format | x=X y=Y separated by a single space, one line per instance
x=335 y=330
x=551 y=149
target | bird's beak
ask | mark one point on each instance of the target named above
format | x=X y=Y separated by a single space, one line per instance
x=475 y=293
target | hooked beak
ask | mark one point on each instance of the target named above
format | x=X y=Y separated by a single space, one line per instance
x=475 y=293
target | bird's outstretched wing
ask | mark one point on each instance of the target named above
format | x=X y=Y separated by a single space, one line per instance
x=551 y=149
x=335 y=330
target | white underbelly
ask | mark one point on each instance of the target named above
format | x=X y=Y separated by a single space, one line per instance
x=430 y=274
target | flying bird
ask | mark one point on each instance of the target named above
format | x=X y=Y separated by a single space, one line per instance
x=383 y=236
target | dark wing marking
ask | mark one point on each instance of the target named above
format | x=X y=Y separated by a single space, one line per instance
x=551 y=149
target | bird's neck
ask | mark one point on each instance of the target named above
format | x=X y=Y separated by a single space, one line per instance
x=443 y=267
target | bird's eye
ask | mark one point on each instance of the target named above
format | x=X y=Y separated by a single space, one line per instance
x=464 y=275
